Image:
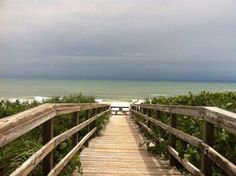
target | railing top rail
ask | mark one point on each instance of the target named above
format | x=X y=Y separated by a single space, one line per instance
x=195 y=111
x=57 y=107
x=14 y=126
x=211 y=115
x=170 y=106
x=222 y=118
x=37 y=157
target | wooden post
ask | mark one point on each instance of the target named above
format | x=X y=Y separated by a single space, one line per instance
x=99 y=110
x=94 y=123
x=208 y=136
x=173 y=123
x=150 y=115
x=144 y=111
x=75 y=121
x=87 y=116
x=158 y=115
x=95 y=112
x=47 y=136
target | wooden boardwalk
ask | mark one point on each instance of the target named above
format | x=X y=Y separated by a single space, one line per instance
x=117 y=152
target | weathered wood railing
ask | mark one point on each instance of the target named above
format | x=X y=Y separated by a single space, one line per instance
x=211 y=117
x=16 y=125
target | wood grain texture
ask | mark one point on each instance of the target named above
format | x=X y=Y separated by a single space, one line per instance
x=58 y=168
x=219 y=117
x=117 y=152
x=190 y=167
x=207 y=150
x=195 y=111
x=37 y=157
x=14 y=126
x=178 y=133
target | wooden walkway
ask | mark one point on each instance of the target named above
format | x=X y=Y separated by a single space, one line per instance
x=117 y=152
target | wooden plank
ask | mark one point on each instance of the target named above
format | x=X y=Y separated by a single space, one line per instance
x=173 y=161
x=14 y=132
x=186 y=137
x=70 y=108
x=87 y=116
x=120 y=156
x=31 y=163
x=191 y=168
x=149 y=113
x=47 y=136
x=159 y=139
x=220 y=160
x=208 y=136
x=75 y=119
x=14 y=126
x=16 y=119
x=196 y=111
x=221 y=118
x=57 y=169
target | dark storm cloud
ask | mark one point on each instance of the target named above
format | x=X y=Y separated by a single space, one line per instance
x=162 y=40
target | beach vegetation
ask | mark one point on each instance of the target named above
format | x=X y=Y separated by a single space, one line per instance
x=15 y=153
x=224 y=142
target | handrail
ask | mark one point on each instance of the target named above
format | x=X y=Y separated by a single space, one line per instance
x=219 y=117
x=14 y=126
x=210 y=115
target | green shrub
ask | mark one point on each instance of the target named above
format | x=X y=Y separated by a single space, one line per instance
x=15 y=153
x=224 y=142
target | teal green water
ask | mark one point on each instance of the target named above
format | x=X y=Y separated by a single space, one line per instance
x=108 y=90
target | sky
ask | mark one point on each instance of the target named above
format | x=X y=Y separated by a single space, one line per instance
x=181 y=40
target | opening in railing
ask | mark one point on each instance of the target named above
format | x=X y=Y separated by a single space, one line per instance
x=119 y=110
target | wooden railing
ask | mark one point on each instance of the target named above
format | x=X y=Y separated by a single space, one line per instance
x=211 y=117
x=16 y=125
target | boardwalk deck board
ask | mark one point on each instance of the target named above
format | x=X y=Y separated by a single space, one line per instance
x=118 y=152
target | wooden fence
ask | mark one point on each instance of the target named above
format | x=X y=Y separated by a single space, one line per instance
x=16 y=125
x=211 y=117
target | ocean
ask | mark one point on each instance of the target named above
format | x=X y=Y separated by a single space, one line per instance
x=107 y=90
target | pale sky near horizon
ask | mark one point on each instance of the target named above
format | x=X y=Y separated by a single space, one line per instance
x=115 y=39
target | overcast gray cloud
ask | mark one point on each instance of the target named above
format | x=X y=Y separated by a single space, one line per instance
x=111 y=39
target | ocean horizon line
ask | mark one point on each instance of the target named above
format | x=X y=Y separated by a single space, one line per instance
x=107 y=89
x=126 y=80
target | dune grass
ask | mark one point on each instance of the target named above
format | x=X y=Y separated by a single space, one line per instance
x=15 y=153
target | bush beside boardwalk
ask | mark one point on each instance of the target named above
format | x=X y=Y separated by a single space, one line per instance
x=15 y=153
x=18 y=151
x=224 y=142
